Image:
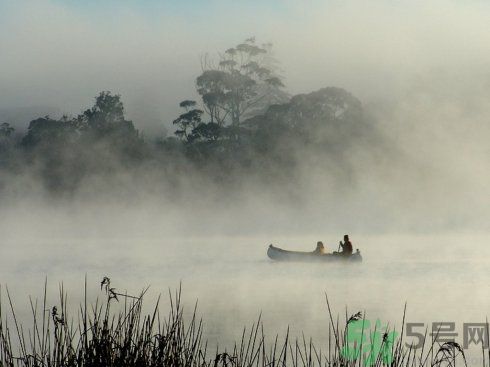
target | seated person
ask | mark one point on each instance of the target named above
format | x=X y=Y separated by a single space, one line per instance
x=320 y=249
x=346 y=246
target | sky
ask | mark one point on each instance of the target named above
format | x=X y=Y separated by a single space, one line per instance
x=61 y=53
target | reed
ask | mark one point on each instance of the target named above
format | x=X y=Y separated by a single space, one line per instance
x=106 y=335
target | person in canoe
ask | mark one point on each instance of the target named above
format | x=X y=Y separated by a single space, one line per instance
x=320 y=249
x=346 y=247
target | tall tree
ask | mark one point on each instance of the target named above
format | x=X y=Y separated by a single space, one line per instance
x=243 y=80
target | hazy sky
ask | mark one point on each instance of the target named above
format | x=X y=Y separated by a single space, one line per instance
x=61 y=53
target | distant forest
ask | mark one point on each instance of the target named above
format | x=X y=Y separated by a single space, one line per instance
x=244 y=122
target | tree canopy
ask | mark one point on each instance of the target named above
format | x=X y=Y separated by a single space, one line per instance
x=244 y=80
x=244 y=121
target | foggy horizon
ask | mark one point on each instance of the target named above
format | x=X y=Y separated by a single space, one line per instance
x=213 y=144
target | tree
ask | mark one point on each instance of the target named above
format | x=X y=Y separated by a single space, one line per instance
x=192 y=128
x=188 y=120
x=328 y=120
x=208 y=132
x=50 y=133
x=106 y=123
x=6 y=142
x=243 y=80
x=6 y=130
x=106 y=116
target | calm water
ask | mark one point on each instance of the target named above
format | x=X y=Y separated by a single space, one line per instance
x=442 y=278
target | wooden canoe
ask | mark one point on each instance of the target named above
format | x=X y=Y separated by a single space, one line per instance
x=278 y=254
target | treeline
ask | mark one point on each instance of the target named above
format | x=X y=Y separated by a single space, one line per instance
x=243 y=122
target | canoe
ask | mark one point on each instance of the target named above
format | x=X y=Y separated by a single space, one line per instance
x=278 y=254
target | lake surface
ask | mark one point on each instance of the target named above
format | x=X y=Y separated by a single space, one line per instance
x=441 y=278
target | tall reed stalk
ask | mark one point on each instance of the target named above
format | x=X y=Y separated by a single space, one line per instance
x=105 y=335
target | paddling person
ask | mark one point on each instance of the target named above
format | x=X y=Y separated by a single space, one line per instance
x=346 y=246
x=320 y=249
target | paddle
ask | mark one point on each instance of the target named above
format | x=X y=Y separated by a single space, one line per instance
x=340 y=244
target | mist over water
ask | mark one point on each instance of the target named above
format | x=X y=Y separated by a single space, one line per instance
x=438 y=276
x=414 y=196
x=419 y=217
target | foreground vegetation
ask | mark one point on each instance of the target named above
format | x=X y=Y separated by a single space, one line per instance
x=116 y=332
